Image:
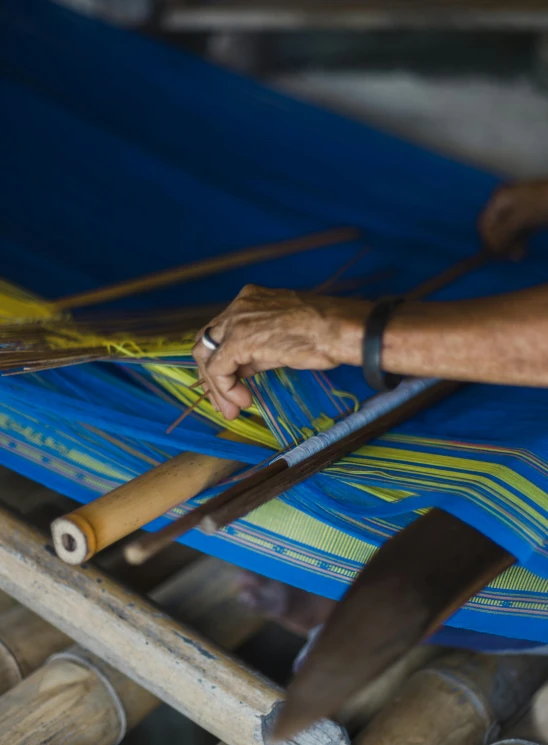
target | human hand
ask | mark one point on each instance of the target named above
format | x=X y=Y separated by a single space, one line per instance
x=265 y=329
x=511 y=213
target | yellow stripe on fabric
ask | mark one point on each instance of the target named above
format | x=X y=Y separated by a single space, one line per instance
x=517 y=453
x=72 y=456
x=294 y=525
x=177 y=382
x=468 y=470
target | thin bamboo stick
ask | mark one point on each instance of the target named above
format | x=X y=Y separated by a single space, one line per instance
x=207 y=267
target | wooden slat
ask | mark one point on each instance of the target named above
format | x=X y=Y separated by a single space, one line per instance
x=260 y=15
x=170 y=660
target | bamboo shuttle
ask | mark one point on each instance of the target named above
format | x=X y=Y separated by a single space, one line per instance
x=145 y=547
x=94 y=526
x=26 y=641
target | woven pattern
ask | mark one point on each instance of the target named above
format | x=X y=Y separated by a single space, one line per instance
x=119 y=158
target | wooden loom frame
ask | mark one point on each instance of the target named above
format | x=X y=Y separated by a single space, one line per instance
x=169 y=659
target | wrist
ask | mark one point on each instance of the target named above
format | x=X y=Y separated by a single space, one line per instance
x=345 y=332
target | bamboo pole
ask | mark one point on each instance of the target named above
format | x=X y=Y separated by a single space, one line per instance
x=26 y=641
x=89 y=529
x=459 y=700
x=361 y=709
x=171 y=660
x=74 y=698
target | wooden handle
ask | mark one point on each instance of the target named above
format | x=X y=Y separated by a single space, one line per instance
x=94 y=526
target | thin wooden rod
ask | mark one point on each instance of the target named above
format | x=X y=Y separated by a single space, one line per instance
x=207 y=267
x=412 y=585
x=146 y=546
x=238 y=504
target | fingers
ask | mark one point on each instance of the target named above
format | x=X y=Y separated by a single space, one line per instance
x=220 y=369
x=511 y=213
x=221 y=374
x=500 y=221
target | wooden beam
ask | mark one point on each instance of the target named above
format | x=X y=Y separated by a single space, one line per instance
x=270 y=15
x=170 y=660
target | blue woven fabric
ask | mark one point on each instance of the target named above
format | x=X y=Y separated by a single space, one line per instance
x=121 y=157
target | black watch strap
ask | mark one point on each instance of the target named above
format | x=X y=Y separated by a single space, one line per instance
x=372 y=345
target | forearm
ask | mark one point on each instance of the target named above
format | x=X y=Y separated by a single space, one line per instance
x=502 y=339
x=493 y=340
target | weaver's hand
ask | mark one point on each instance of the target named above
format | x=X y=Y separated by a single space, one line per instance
x=265 y=329
x=511 y=213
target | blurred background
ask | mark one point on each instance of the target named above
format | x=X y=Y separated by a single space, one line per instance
x=468 y=78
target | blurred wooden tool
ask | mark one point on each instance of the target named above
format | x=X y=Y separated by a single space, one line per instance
x=414 y=583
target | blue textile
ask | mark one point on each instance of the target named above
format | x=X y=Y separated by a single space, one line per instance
x=120 y=157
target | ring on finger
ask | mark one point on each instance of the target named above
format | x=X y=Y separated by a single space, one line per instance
x=208 y=342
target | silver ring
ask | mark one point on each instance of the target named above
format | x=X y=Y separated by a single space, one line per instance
x=208 y=342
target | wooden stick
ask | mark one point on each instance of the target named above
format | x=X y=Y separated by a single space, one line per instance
x=207 y=267
x=414 y=583
x=181 y=418
x=94 y=526
x=272 y=480
x=236 y=504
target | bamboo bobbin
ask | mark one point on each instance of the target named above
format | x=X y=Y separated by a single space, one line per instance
x=26 y=641
x=459 y=700
x=94 y=526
